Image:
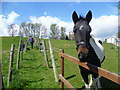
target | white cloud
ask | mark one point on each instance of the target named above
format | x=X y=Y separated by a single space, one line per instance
x=48 y=20
x=11 y=17
x=104 y=26
x=5 y=21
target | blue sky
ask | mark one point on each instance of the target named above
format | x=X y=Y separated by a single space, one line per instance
x=104 y=22
x=62 y=10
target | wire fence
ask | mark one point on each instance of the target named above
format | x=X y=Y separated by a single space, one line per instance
x=5 y=61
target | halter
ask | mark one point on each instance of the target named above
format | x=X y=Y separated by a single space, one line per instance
x=78 y=44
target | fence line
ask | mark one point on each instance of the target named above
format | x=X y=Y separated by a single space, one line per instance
x=57 y=49
x=5 y=61
x=45 y=53
x=65 y=81
x=53 y=61
x=21 y=50
x=18 y=55
x=62 y=70
x=10 y=64
x=26 y=43
x=107 y=74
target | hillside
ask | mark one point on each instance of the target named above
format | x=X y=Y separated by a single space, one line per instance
x=33 y=72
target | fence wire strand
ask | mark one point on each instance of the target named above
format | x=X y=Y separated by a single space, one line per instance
x=7 y=60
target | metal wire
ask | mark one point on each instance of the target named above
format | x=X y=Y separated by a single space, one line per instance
x=3 y=63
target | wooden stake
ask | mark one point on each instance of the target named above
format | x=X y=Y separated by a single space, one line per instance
x=45 y=52
x=18 y=55
x=21 y=50
x=62 y=70
x=10 y=65
x=25 y=50
x=53 y=61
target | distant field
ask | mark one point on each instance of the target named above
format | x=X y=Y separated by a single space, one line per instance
x=33 y=72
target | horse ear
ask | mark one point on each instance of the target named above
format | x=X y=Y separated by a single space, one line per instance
x=89 y=16
x=75 y=17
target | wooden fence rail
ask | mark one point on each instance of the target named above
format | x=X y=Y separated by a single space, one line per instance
x=65 y=81
x=107 y=74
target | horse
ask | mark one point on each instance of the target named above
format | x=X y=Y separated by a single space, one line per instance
x=89 y=49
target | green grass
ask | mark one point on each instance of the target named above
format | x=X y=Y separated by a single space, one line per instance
x=33 y=72
x=111 y=61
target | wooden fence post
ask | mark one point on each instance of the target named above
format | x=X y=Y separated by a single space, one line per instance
x=18 y=55
x=38 y=42
x=21 y=49
x=53 y=61
x=45 y=53
x=10 y=64
x=1 y=78
x=26 y=43
x=62 y=70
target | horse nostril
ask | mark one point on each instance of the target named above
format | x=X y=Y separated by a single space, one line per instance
x=82 y=56
x=84 y=46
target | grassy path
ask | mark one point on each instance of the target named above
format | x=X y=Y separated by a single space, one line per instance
x=33 y=72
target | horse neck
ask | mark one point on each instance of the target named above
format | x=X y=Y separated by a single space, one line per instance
x=90 y=46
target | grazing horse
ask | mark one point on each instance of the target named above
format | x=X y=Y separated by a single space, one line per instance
x=89 y=49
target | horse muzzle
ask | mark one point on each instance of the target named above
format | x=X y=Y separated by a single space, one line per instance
x=82 y=56
x=82 y=52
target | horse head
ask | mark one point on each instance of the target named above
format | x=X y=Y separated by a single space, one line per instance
x=82 y=36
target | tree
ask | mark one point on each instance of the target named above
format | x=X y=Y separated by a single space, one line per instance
x=12 y=29
x=55 y=33
x=63 y=34
x=29 y=27
x=43 y=32
x=20 y=33
x=71 y=35
x=37 y=27
x=24 y=29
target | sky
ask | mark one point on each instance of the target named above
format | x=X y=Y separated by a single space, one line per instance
x=104 y=21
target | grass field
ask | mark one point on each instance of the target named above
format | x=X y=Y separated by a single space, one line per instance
x=33 y=72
